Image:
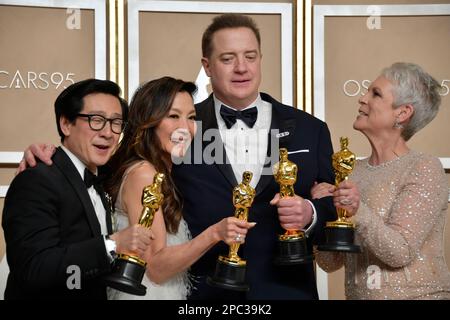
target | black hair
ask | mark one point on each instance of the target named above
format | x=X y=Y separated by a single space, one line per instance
x=70 y=101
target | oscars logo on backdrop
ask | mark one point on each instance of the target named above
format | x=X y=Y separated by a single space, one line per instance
x=37 y=80
x=353 y=88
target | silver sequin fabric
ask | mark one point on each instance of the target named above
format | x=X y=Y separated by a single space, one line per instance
x=400 y=228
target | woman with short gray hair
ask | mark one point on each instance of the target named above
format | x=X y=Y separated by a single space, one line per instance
x=416 y=87
x=397 y=198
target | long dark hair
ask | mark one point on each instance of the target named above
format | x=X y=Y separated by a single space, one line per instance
x=149 y=106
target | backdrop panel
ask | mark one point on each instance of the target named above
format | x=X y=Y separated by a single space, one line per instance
x=176 y=49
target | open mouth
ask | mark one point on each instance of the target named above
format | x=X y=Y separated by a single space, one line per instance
x=101 y=147
x=362 y=113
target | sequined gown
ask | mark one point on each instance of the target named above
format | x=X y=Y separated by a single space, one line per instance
x=399 y=226
x=176 y=288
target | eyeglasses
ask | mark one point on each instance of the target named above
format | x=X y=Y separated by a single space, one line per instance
x=97 y=122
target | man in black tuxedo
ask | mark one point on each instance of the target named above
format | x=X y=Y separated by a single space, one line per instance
x=56 y=218
x=244 y=126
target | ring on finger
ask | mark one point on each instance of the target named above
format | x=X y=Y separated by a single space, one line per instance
x=345 y=201
x=238 y=237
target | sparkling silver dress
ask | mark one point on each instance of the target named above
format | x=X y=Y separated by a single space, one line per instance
x=400 y=228
x=176 y=288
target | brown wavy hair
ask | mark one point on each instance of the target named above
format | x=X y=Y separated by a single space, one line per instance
x=227 y=21
x=150 y=104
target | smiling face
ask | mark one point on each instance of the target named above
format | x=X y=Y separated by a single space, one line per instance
x=234 y=66
x=93 y=148
x=376 y=112
x=176 y=130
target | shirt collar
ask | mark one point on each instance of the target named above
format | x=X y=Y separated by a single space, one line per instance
x=217 y=104
x=77 y=162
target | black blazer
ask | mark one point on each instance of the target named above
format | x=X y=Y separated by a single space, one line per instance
x=207 y=194
x=50 y=224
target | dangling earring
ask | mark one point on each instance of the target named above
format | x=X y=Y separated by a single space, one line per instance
x=397 y=124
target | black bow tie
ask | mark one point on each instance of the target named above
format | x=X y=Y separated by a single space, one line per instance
x=248 y=116
x=91 y=179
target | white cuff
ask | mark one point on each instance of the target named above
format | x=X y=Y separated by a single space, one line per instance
x=314 y=218
x=110 y=246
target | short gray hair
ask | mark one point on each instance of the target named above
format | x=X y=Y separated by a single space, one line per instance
x=412 y=85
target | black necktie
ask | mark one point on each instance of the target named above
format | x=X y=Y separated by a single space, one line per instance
x=248 y=116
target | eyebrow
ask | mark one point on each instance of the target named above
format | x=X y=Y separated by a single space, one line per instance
x=234 y=53
x=103 y=113
x=376 y=88
x=227 y=53
x=179 y=111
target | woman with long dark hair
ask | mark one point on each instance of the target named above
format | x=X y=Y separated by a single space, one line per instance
x=160 y=126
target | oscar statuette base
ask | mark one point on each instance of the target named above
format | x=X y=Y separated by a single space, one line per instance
x=127 y=276
x=229 y=275
x=339 y=237
x=292 y=251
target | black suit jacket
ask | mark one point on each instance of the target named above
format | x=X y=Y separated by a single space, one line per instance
x=51 y=229
x=207 y=193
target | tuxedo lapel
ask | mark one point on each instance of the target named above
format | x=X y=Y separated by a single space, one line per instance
x=63 y=162
x=206 y=113
x=227 y=169
x=282 y=127
x=103 y=173
x=107 y=206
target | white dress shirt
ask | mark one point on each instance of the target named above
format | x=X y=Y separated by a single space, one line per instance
x=246 y=148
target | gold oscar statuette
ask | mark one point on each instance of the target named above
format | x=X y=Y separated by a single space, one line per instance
x=230 y=270
x=128 y=269
x=292 y=247
x=339 y=234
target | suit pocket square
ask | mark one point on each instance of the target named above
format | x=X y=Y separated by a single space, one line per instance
x=298 y=151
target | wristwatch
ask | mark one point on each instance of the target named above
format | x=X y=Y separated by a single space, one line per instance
x=111 y=246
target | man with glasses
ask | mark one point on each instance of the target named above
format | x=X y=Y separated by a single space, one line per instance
x=97 y=122
x=57 y=221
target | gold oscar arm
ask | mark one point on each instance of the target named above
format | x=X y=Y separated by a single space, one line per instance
x=286 y=177
x=343 y=164
x=147 y=216
x=241 y=214
x=152 y=198
x=243 y=196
